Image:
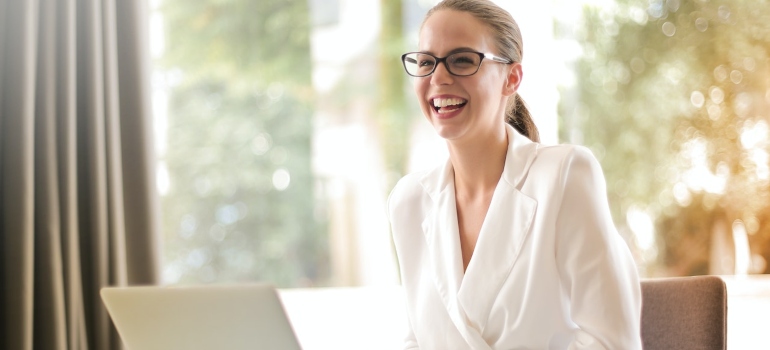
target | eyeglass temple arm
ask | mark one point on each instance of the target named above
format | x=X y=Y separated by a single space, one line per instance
x=497 y=59
x=410 y=60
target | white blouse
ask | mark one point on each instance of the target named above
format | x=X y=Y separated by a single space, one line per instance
x=549 y=270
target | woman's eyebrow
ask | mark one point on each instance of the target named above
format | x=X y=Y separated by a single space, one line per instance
x=459 y=49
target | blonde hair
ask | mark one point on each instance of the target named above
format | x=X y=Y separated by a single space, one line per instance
x=509 y=44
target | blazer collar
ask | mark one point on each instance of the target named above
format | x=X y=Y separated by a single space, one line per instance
x=469 y=296
x=521 y=152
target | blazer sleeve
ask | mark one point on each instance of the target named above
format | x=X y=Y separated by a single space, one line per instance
x=410 y=341
x=595 y=265
x=400 y=195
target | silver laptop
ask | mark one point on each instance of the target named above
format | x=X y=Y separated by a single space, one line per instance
x=200 y=318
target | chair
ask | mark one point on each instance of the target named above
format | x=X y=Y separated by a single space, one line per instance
x=684 y=313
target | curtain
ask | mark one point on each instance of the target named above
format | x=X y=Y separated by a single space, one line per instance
x=78 y=206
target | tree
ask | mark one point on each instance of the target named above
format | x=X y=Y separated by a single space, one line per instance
x=674 y=100
x=394 y=120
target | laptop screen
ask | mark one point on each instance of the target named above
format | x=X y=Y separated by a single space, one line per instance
x=202 y=317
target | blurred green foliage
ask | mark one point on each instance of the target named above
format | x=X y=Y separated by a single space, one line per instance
x=239 y=40
x=241 y=204
x=395 y=118
x=668 y=87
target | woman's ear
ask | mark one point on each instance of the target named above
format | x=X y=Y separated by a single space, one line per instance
x=513 y=79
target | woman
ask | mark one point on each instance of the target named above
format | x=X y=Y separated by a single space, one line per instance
x=510 y=244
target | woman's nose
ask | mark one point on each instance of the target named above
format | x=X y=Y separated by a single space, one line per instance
x=441 y=75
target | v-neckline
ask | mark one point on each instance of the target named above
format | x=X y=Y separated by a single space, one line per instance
x=459 y=233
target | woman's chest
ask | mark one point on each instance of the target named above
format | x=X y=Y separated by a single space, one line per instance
x=471 y=213
x=523 y=310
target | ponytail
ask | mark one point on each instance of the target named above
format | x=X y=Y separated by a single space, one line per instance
x=517 y=115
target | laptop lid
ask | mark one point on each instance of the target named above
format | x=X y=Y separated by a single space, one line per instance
x=200 y=318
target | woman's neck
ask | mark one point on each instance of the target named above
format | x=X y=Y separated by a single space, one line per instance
x=478 y=164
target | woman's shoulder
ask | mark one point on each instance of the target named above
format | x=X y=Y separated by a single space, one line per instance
x=566 y=157
x=407 y=189
x=408 y=183
x=558 y=166
x=405 y=204
x=564 y=151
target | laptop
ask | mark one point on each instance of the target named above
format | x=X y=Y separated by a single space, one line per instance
x=235 y=317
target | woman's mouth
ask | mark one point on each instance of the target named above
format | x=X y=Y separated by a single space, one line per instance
x=448 y=105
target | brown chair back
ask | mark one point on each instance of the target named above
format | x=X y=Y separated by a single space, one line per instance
x=684 y=313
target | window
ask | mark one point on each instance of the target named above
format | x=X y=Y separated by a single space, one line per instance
x=240 y=202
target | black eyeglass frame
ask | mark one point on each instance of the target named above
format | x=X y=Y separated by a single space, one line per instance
x=482 y=56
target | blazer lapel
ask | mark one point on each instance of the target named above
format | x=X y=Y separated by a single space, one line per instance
x=442 y=235
x=502 y=236
x=468 y=298
x=443 y=242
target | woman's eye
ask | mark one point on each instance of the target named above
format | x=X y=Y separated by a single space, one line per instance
x=462 y=60
x=425 y=63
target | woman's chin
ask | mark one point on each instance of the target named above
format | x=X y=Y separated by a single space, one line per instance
x=447 y=132
x=449 y=125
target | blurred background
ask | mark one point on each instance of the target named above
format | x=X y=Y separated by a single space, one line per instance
x=282 y=125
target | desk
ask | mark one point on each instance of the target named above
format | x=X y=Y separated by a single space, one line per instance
x=375 y=317
x=347 y=318
x=748 y=312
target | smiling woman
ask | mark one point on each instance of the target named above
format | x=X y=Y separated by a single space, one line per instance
x=463 y=61
x=509 y=244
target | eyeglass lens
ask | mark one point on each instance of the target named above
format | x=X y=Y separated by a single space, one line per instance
x=461 y=63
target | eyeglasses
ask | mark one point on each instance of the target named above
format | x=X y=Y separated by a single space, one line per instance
x=464 y=63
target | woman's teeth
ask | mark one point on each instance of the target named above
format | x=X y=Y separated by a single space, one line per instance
x=447 y=105
x=443 y=102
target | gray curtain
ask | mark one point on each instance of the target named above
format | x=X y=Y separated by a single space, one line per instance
x=78 y=207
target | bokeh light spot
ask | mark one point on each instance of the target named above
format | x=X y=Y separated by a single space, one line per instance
x=669 y=29
x=281 y=179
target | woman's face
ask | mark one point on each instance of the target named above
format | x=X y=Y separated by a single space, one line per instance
x=477 y=102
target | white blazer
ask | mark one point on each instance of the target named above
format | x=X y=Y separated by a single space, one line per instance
x=549 y=270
